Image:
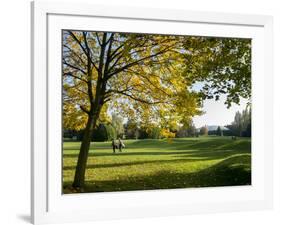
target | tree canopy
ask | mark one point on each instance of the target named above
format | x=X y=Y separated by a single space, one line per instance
x=222 y=65
x=149 y=77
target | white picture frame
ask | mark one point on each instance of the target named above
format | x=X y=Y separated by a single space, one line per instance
x=48 y=205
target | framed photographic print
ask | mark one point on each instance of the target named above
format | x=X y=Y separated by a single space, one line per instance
x=147 y=112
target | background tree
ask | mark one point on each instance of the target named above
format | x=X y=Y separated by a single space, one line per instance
x=245 y=120
x=241 y=126
x=182 y=132
x=204 y=130
x=138 y=75
x=111 y=132
x=248 y=132
x=191 y=130
x=143 y=133
x=154 y=133
x=219 y=131
x=236 y=125
x=99 y=133
x=131 y=129
x=117 y=123
x=186 y=130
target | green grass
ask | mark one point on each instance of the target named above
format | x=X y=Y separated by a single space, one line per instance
x=158 y=164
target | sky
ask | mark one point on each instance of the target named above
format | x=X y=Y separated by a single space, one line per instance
x=217 y=113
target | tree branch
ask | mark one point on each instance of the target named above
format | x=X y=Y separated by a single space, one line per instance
x=89 y=50
x=102 y=52
x=75 y=53
x=84 y=109
x=136 y=98
x=78 y=42
x=74 y=76
x=98 y=39
x=74 y=67
x=115 y=51
x=136 y=62
x=108 y=58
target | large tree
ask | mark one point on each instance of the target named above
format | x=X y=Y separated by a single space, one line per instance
x=146 y=78
x=140 y=75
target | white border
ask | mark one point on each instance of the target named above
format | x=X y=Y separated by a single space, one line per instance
x=47 y=203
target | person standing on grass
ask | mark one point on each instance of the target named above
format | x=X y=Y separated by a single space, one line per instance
x=120 y=144
x=114 y=146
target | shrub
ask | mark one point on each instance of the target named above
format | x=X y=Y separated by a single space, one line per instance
x=100 y=133
x=154 y=133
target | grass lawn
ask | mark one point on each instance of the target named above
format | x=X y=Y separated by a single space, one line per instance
x=160 y=164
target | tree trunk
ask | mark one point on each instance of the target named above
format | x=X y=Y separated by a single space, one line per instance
x=96 y=103
x=79 y=177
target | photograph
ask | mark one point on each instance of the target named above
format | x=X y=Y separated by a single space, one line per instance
x=144 y=111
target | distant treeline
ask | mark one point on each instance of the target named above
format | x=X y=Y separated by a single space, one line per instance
x=104 y=132
x=107 y=132
x=240 y=127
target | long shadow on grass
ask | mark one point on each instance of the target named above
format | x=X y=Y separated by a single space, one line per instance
x=232 y=171
x=210 y=154
x=134 y=163
x=183 y=158
x=135 y=153
x=186 y=156
x=229 y=172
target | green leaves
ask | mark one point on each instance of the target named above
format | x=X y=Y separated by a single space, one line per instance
x=223 y=64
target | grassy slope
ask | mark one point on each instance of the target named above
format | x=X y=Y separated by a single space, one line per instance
x=157 y=164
